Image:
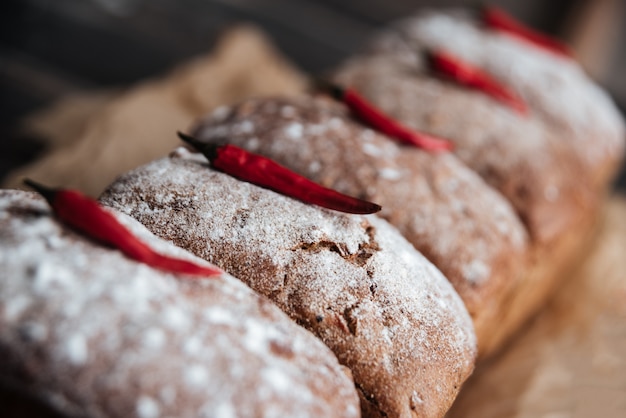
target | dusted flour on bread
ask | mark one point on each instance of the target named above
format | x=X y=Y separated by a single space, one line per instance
x=467 y=229
x=556 y=88
x=540 y=167
x=93 y=333
x=386 y=312
x=553 y=164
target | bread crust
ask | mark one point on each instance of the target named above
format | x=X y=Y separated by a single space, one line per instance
x=560 y=96
x=467 y=229
x=554 y=166
x=385 y=311
x=537 y=171
x=91 y=333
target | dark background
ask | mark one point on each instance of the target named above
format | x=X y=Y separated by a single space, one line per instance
x=49 y=48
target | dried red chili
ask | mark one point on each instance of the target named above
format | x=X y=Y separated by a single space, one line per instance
x=375 y=118
x=499 y=20
x=266 y=173
x=471 y=76
x=88 y=217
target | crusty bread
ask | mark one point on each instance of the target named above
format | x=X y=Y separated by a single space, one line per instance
x=554 y=165
x=536 y=170
x=502 y=218
x=386 y=312
x=92 y=333
x=467 y=229
x=560 y=96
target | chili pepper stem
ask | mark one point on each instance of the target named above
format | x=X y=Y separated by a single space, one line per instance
x=47 y=192
x=334 y=90
x=209 y=150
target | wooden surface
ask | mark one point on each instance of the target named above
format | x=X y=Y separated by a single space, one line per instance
x=570 y=361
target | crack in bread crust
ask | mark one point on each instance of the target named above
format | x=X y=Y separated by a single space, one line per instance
x=359 y=258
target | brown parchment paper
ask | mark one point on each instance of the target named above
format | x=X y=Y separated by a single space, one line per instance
x=569 y=362
x=94 y=137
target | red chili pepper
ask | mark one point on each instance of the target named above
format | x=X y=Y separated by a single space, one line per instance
x=498 y=19
x=87 y=216
x=471 y=76
x=378 y=120
x=266 y=173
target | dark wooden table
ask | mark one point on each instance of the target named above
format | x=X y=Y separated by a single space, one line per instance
x=49 y=48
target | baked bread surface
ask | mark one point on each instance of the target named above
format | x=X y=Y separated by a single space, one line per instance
x=461 y=224
x=92 y=333
x=556 y=88
x=385 y=311
x=552 y=164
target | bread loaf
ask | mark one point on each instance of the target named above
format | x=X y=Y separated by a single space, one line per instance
x=91 y=333
x=551 y=164
x=385 y=311
x=467 y=229
x=554 y=164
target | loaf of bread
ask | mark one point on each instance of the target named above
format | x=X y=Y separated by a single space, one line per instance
x=354 y=281
x=558 y=92
x=467 y=229
x=91 y=333
x=504 y=250
x=503 y=217
x=553 y=164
